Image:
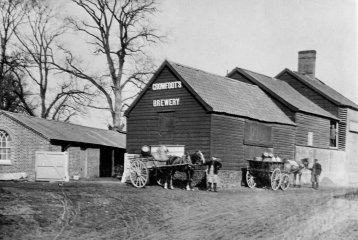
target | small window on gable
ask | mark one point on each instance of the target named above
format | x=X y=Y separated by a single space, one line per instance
x=5 y=148
x=310 y=139
x=333 y=134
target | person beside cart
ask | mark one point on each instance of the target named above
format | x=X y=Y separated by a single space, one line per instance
x=212 y=173
x=316 y=172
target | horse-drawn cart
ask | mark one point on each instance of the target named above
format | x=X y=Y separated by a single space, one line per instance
x=142 y=168
x=267 y=172
x=154 y=162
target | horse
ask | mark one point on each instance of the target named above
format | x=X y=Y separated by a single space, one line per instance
x=182 y=164
x=296 y=167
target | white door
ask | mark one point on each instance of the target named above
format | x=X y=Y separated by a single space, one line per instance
x=51 y=166
x=83 y=163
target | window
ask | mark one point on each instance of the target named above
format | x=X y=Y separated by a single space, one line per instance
x=4 y=147
x=310 y=139
x=166 y=127
x=333 y=134
x=258 y=134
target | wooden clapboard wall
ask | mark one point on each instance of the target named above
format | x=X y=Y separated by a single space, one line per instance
x=150 y=125
x=228 y=140
x=310 y=94
x=320 y=127
x=227 y=136
x=283 y=138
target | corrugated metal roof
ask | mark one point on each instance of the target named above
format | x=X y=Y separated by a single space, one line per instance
x=55 y=130
x=326 y=90
x=226 y=95
x=286 y=92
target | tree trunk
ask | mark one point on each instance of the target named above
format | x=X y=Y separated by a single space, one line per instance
x=43 y=103
x=117 y=116
x=3 y=55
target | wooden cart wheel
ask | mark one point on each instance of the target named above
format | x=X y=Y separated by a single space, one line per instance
x=250 y=180
x=285 y=181
x=275 y=179
x=139 y=174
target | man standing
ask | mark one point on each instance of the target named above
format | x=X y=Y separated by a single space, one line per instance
x=212 y=172
x=316 y=171
x=333 y=135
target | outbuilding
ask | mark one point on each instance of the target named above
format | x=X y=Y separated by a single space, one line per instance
x=90 y=152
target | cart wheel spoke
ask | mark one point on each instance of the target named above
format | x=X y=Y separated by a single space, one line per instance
x=143 y=179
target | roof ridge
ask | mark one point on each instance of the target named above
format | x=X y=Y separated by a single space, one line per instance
x=56 y=121
x=206 y=72
x=259 y=74
x=9 y=115
x=349 y=102
x=272 y=81
x=306 y=76
x=204 y=84
x=272 y=78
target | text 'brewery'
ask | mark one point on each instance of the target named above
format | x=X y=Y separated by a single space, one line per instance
x=166 y=102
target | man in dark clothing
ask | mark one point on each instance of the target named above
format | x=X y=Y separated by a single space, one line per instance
x=316 y=172
x=333 y=135
x=212 y=172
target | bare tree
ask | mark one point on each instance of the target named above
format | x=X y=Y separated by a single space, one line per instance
x=59 y=99
x=12 y=94
x=119 y=32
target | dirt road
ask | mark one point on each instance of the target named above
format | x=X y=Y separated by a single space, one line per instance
x=116 y=211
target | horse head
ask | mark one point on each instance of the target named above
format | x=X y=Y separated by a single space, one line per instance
x=295 y=166
x=197 y=158
x=305 y=162
x=162 y=150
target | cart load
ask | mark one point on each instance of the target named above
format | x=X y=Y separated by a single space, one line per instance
x=267 y=170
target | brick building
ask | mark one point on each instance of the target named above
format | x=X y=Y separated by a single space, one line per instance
x=91 y=152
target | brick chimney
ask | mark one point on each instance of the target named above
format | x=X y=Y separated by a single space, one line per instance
x=307 y=63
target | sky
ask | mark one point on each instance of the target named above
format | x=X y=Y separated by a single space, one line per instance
x=259 y=35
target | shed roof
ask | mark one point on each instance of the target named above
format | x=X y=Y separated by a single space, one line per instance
x=321 y=88
x=225 y=95
x=285 y=92
x=55 y=130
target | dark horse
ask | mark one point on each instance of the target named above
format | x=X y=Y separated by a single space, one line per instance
x=182 y=164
